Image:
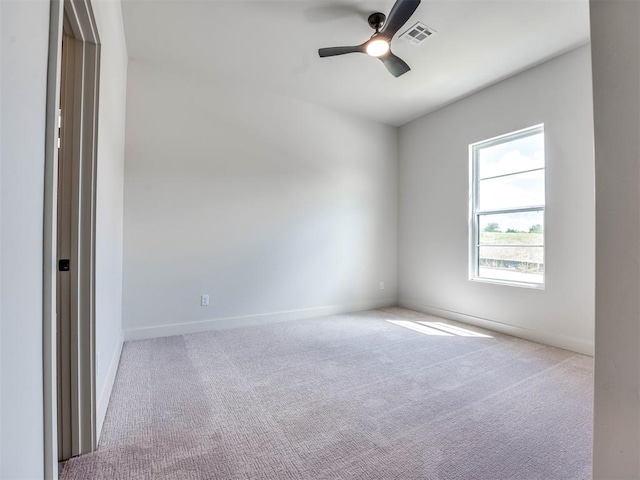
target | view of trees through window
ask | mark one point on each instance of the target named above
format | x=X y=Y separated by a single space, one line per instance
x=508 y=208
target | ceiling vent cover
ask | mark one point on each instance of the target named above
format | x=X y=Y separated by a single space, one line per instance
x=417 y=33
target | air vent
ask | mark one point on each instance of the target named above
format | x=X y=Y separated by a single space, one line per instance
x=417 y=33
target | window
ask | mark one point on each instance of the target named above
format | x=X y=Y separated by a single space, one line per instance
x=507 y=208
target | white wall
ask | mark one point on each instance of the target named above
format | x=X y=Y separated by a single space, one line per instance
x=276 y=208
x=110 y=196
x=616 y=83
x=24 y=36
x=434 y=206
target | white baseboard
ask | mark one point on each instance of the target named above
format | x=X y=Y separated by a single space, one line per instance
x=546 y=338
x=105 y=395
x=252 y=320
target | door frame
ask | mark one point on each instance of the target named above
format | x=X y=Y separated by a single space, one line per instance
x=80 y=18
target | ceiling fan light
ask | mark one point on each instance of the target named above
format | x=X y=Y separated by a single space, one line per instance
x=377 y=48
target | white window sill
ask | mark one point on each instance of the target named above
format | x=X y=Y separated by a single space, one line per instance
x=510 y=283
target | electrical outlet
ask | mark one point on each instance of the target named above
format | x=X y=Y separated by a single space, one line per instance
x=381 y=285
x=204 y=301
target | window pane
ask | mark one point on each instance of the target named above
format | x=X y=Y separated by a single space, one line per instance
x=520 y=264
x=514 y=191
x=520 y=228
x=512 y=156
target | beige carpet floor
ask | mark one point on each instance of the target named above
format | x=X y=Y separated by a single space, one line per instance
x=383 y=394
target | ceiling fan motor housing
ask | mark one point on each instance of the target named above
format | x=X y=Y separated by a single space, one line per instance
x=376 y=20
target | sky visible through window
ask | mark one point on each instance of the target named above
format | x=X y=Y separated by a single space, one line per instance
x=522 y=190
x=514 y=156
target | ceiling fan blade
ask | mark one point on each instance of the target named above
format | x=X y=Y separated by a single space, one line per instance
x=400 y=13
x=395 y=65
x=333 y=51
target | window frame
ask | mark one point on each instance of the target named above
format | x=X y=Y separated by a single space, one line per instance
x=475 y=213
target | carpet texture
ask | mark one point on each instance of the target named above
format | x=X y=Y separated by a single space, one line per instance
x=372 y=395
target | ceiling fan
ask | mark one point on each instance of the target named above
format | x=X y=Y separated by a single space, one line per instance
x=379 y=45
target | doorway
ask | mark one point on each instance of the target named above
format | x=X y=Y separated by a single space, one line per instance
x=69 y=265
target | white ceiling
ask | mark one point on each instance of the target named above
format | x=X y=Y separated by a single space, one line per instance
x=273 y=45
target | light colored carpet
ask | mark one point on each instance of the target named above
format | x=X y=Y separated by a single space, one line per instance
x=346 y=397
